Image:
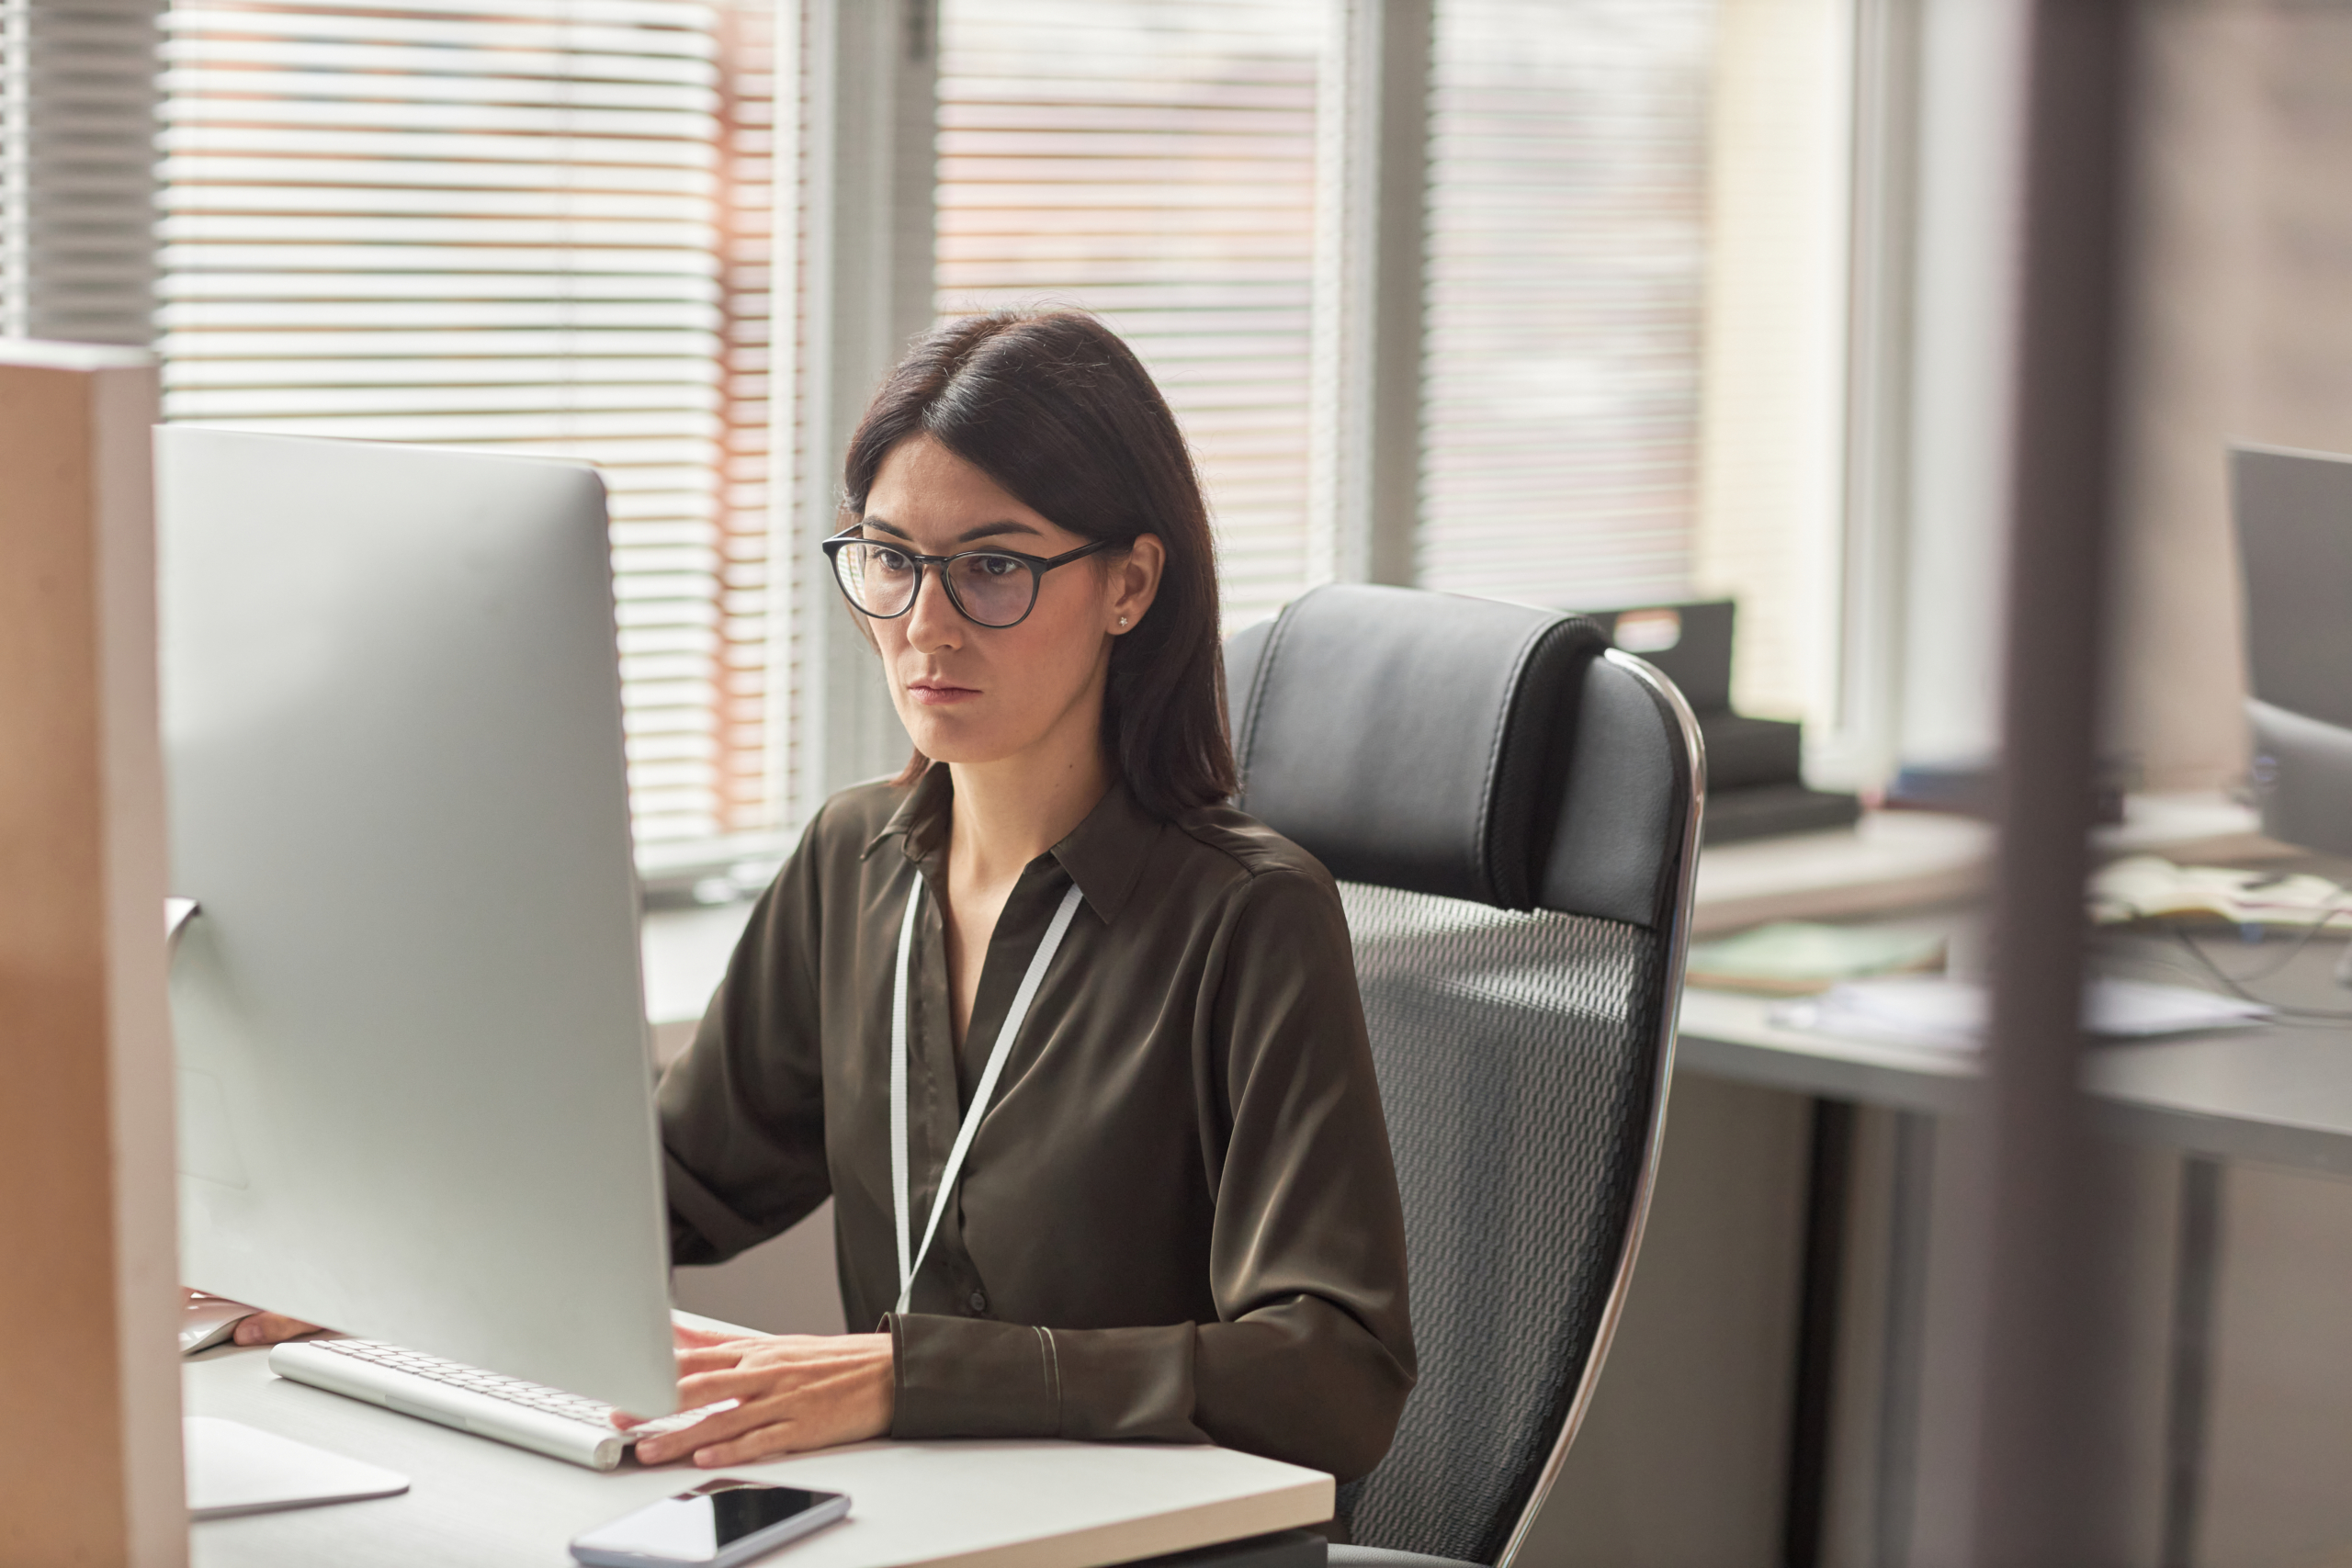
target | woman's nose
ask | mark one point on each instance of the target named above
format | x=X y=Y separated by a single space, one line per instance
x=933 y=622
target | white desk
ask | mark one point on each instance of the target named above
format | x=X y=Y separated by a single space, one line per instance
x=2279 y=1096
x=1730 y=1036
x=475 y=1504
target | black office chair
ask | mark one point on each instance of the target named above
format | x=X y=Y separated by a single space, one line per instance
x=1512 y=811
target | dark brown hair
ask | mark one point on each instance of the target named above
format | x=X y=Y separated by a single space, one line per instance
x=1054 y=407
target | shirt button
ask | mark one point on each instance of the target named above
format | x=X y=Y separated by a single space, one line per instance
x=979 y=1302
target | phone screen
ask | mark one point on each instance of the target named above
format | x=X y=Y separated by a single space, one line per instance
x=746 y=1510
x=697 y=1526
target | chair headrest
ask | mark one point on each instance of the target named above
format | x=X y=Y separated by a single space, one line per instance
x=1414 y=740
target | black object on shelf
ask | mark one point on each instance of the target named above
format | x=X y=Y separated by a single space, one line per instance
x=1971 y=789
x=1755 y=766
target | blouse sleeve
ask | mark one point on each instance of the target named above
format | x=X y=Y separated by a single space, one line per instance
x=1312 y=1355
x=742 y=1111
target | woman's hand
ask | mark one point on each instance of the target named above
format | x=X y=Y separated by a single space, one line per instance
x=262 y=1327
x=271 y=1328
x=793 y=1391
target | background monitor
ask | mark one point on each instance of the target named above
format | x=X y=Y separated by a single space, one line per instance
x=2294 y=527
x=415 y=1086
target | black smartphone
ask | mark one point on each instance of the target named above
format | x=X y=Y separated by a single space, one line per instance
x=715 y=1525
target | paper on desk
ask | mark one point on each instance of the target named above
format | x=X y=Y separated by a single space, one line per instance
x=2149 y=887
x=1948 y=1014
x=1788 y=958
x=2142 y=1010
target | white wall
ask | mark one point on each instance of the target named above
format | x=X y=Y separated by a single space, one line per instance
x=1771 y=430
x=2241 y=330
x=1964 y=290
x=1773 y=510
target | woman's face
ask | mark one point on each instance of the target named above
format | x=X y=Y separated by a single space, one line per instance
x=973 y=695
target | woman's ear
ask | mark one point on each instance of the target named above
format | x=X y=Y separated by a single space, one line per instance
x=1134 y=582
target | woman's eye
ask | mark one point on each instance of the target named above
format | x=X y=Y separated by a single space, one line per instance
x=997 y=565
x=889 y=560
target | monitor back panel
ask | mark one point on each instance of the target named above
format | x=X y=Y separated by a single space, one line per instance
x=2294 y=525
x=415 y=1082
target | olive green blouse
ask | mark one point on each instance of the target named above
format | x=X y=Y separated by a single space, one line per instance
x=1178 y=1219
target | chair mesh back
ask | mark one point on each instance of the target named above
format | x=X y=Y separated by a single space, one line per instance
x=1518 y=1056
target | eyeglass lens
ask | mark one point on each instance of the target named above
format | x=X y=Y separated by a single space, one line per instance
x=993 y=589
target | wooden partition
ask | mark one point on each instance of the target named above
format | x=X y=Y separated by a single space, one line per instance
x=89 y=1381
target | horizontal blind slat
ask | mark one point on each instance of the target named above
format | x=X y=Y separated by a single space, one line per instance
x=1564 y=284
x=1156 y=165
x=494 y=223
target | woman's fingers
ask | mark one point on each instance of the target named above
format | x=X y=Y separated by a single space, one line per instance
x=805 y=1392
x=271 y=1328
x=689 y=1337
x=760 y=1442
x=730 y=1382
x=797 y=1349
x=820 y=1416
x=627 y=1422
x=747 y=1382
x=763 y=1399
x=716 y=1427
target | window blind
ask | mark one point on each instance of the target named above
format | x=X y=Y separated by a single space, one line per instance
x=1564 y=294
x=752 y=784
x=1155 y=162
x=77 y=183
x=520 y=225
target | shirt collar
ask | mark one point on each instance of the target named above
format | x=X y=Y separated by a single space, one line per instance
x=921 y=818
x=1103 y=855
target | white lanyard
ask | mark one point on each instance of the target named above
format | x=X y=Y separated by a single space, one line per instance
x=980 y=1095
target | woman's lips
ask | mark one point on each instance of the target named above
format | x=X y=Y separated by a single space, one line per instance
x=937 y=694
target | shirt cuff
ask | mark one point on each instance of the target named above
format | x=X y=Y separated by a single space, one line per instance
x=959 y=1377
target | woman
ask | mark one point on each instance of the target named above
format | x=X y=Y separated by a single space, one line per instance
x=1178 y=1218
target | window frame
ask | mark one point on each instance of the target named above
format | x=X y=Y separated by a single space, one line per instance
x=861 y=262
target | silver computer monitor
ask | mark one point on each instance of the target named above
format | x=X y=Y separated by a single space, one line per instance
x=2294 y=527
x=415 y=1088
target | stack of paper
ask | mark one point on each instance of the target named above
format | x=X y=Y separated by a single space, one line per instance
x=2149 y=887
x=1949 y=1014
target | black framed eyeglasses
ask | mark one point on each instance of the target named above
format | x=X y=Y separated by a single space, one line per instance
x=989 y=588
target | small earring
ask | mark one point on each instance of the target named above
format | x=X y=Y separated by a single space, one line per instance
x=1123 y=620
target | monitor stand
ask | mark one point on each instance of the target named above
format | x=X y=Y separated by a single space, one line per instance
x=236 y=1469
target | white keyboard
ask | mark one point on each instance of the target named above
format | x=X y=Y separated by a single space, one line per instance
x=527 y=1414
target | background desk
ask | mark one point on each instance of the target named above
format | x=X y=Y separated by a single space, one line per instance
x=2279 y=1095
x=475 y=1504
x=2236 y=1242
